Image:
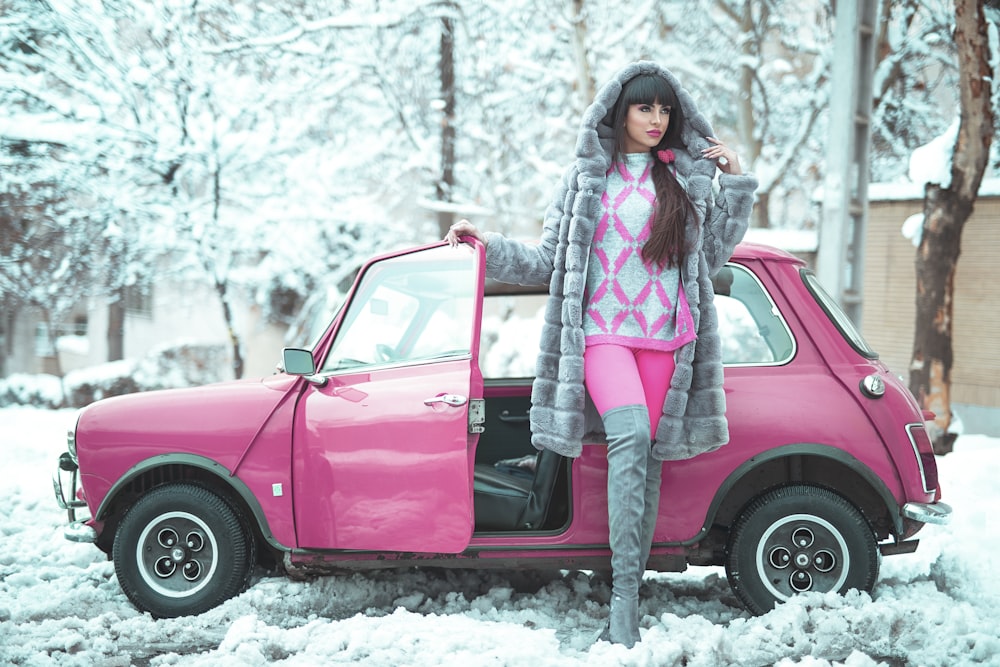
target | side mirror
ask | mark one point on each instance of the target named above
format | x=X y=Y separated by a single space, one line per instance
x=298 y=362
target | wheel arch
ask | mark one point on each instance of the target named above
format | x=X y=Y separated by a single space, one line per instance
x=807 y=463
x=160 y=470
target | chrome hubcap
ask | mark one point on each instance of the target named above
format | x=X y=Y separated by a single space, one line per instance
x=177 y=554
x=800 y=553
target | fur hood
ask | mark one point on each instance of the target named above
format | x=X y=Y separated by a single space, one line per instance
x=562 y=416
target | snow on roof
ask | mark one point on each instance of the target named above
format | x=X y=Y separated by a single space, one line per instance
x=789 y=240
x=908 y=191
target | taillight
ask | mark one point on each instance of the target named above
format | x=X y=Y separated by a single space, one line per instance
x=924 y=451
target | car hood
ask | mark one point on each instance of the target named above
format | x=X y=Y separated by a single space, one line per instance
x=218 y=421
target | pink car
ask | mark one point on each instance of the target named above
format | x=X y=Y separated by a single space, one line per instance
x=401 y=437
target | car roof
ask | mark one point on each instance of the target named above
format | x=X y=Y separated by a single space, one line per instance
x=747 y=251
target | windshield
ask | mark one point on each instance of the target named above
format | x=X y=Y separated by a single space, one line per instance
x=416 y=307
x=838 y=316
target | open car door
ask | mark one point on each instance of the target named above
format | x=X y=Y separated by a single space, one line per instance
x=384 y=449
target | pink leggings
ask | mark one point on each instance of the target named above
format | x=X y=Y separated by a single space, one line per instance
x=616 y=375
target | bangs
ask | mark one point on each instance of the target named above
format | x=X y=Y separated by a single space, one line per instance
x=645 y=89
x=648 y=89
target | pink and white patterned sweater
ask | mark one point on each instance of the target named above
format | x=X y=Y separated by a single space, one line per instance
x=630 y=302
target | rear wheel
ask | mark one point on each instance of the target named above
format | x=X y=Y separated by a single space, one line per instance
x=181 y=550
x=798 y=539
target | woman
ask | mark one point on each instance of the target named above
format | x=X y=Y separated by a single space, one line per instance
x=628 y=248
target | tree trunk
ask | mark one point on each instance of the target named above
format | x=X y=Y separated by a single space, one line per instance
x=446 y=184
x=220 y=276
x=52 y=364
x=746 y=126
x=946 y=210
x=116 y=327
x=584 y=78
x=234 y=339
x=7 y=349
x=762 y=211
x=750 y=48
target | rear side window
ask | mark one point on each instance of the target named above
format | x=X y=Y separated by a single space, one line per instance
x=838 y=316
x=752 y=330
x=512 y=329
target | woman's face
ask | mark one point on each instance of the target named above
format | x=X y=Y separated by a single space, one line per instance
x=645 y=125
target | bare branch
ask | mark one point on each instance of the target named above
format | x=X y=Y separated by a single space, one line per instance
x=348 y=20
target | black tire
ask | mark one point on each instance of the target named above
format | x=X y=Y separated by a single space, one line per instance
x=796 y=539
x=182 y=550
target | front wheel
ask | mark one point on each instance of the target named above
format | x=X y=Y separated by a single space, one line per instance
x=797 y=539
x=181 y=550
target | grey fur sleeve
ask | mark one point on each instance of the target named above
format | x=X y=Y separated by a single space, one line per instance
x=511 y=261
x=729 y=218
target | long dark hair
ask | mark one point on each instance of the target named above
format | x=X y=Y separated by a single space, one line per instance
x=667 y=245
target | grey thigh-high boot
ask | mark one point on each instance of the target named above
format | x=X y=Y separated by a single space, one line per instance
x=627 y=429
x=651 y=505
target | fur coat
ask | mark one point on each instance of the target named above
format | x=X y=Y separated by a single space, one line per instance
x=562 y=416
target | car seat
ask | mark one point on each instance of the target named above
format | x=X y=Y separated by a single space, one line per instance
x=508 y=501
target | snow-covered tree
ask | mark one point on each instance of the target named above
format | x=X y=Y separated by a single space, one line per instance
x=267 y=148
x=773 y=60
x=55 y=152
x=916 y=81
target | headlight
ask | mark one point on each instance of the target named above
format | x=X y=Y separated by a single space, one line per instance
x=71 y=436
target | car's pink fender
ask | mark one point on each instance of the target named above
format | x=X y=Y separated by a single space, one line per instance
x=237 y=431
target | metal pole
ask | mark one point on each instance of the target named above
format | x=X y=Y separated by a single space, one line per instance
x=845 y=189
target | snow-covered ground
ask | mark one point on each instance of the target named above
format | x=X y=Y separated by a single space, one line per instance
x=60 y=603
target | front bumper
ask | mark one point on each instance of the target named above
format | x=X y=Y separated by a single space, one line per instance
x=939 y=513
x=77 y=530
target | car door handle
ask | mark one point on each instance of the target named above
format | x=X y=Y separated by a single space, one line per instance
x=450 y=399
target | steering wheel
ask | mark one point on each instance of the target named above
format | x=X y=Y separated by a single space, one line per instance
x=384 y=353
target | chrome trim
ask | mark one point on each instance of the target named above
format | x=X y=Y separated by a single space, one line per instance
x=477 y=415
x=939 y=513
x=837 y=316
x=318 y=380
x=916 y=455
x=71 y=436
x=873 y=386
x=388 y=365
x=66 y=465
x=78 y=531
x=454 y=400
